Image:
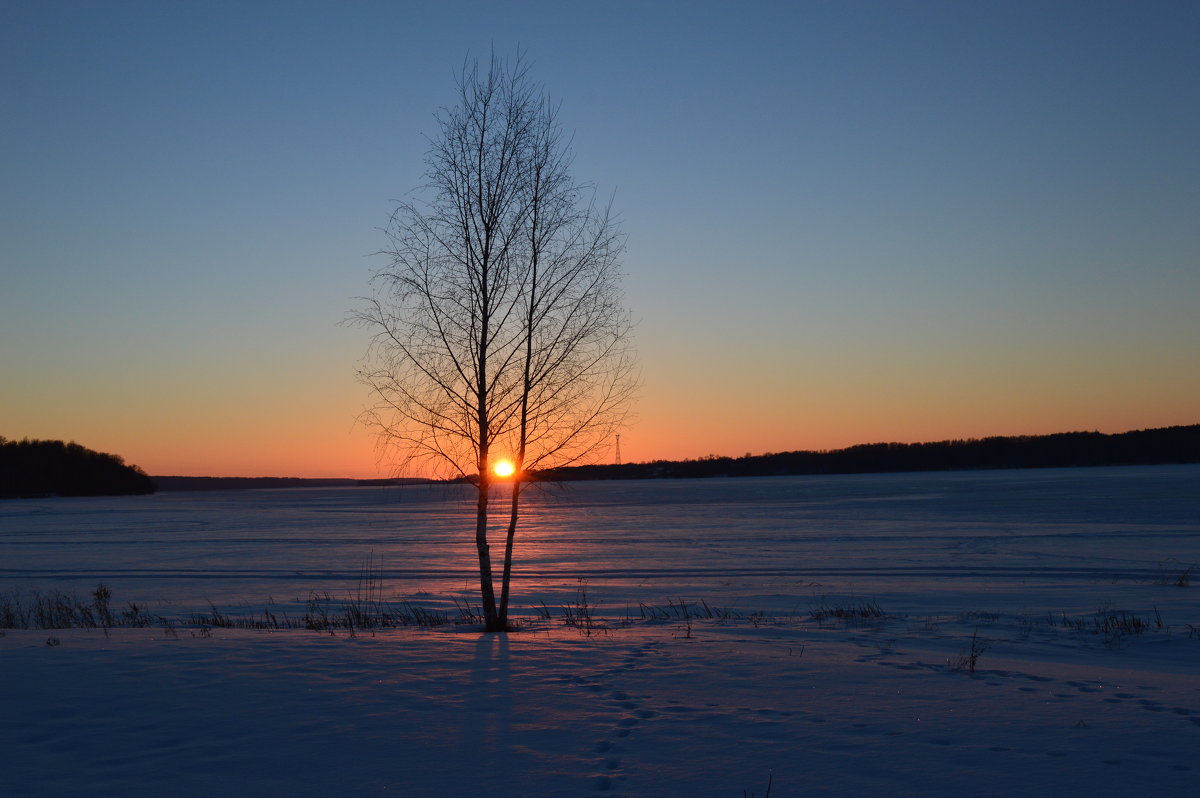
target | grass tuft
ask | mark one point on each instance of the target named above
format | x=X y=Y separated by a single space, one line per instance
x=579 y=613
x=849 y=612
x=1112 y=625
x=683 y=610
x=968 y=661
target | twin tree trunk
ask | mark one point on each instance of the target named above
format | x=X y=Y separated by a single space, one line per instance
x=498 y=326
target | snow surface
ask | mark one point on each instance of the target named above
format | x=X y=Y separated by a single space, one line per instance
x=1029 y=562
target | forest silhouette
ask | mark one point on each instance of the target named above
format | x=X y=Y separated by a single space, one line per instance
x=33 y=468
x=1180 y=444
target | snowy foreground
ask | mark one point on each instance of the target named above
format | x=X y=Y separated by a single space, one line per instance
x=1085 y=678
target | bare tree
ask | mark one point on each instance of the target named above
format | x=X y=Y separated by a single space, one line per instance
x=497 y=329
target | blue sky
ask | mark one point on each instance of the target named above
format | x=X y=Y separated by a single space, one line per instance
x=846 y=221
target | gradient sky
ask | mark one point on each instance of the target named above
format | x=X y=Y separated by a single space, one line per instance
x=847 y=221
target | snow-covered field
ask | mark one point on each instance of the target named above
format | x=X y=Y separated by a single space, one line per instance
x=1086 y=677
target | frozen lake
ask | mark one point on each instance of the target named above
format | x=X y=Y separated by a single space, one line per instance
x=1032 y=642
x=994 y=539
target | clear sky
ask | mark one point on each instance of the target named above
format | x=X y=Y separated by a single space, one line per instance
x=847 y=221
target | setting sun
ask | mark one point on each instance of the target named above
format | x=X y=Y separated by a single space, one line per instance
x=504 y=468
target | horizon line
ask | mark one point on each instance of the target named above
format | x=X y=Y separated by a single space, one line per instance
x=702 y=457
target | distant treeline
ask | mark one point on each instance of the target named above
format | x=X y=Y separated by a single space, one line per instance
x=1142 y=447
x=248 y=483
x=30 y=469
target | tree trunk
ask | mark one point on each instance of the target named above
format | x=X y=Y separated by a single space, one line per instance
x=508 y=547
x=487 y=593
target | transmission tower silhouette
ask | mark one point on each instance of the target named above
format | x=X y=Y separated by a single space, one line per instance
x=618 y=449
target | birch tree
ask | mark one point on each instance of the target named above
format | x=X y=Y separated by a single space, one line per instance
x=497 y=329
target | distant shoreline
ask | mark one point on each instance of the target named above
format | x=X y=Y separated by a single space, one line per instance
x=176 y=483
x=1161 y=446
